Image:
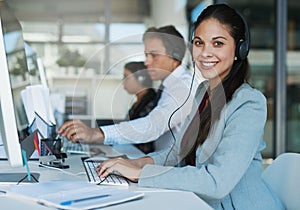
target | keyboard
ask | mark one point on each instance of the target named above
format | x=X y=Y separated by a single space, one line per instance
x=91 y=150
x=112 y=179
x=77 y=148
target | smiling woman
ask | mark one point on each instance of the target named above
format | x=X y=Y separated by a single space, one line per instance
x=223 y=132
x=214 y=52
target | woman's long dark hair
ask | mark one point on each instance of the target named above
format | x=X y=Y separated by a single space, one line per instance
x=222 y=94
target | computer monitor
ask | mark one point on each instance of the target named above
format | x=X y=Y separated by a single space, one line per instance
x=14 y=78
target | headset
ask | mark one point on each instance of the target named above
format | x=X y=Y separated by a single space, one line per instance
x=176 y=54
x=140 y=78
x=242 y=47
x=171 y=40
x=143 y=78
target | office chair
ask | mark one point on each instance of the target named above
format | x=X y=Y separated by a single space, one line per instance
x=283 y=178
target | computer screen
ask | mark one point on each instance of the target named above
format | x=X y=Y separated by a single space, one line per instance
x=14 y=78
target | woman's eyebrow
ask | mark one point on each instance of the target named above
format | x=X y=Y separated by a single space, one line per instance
x=214 y=38
x=219 y=37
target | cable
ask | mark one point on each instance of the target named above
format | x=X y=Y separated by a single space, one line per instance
x=3 y=192
x=58 y=169
x=169 y=121
x=26 y=177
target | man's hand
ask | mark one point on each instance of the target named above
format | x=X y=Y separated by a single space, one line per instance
x=76 y=130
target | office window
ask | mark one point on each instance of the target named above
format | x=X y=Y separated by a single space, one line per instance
x=40 y=31
x=124 y=53
x=83 y=32
x=126 y=32
x=88 y=40
x=293 y=77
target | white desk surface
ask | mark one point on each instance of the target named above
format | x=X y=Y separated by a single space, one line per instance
x=153 y=199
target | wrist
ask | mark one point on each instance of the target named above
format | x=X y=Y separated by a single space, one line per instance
x=138 y=175
x=98 y=136
x=101 y=135
x=144 y=161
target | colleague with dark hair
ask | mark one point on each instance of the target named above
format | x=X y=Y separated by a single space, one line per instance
x=220 y=148
x=137 y=81
x=164 y=49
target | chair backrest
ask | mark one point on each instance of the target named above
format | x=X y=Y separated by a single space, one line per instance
x=283 y=177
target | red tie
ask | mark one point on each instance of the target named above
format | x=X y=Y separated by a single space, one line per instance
x=192 y=133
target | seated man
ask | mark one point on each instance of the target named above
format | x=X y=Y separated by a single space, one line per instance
x=164 y=49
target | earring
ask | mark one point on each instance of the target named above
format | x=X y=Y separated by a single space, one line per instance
x=235 y=58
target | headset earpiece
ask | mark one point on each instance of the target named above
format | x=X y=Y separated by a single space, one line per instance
x=242 y=50
x=140 y=78
x=176 y=54
x=242 y=47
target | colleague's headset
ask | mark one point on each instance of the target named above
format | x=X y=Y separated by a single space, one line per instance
x=176 y=54
x=140 y=76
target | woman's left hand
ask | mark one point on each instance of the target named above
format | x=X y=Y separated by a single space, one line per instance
x=124 y=167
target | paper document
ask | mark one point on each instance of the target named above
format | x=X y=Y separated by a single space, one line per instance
x=73 y=194
x=39 y=112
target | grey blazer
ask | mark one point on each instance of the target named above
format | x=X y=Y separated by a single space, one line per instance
x=228 y=164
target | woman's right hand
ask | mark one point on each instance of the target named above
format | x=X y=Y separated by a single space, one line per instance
x=129 y=168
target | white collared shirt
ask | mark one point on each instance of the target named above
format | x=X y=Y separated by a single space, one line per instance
x=154 y=126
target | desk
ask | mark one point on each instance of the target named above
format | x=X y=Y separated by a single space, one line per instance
x=153 y=199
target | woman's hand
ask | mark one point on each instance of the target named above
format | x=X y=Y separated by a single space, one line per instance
x=127 y=168
x=76 y=131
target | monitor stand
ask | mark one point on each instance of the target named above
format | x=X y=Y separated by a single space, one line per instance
x=16 y=178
